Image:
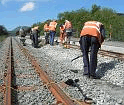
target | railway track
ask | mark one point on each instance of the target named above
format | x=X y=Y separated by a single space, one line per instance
x=25 y=81
x=116 y=55
x=28 y=83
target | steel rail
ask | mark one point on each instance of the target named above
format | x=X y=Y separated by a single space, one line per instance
x=112 y=54
x=58 y=93
x=8 y=76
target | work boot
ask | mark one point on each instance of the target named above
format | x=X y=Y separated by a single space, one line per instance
x=87 y=75
x=95 y=77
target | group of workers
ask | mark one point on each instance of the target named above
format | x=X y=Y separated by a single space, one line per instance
x=65 y=32
x=91 y=37
x=50 y=31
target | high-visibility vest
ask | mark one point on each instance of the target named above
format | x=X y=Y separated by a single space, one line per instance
x=52 y=26
x=68 y=25
x=46 y=27
x=92 y=28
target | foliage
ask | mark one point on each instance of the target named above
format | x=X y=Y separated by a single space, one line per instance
x=3 y=33
x=3 y=30
x=2 y=37
x=95 y=8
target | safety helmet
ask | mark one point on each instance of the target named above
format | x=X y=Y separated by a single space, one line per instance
x=66 y=20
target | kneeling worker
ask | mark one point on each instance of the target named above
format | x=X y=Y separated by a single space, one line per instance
x=92 y=35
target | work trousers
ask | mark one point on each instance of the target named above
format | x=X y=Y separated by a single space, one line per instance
x=35 y=40
x=52 y=35
x=68 y=37
x=90 y=63
x=62 y=37
x=46 y=37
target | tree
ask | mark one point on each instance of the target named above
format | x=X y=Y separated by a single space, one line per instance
x=3 y=30
x=95 y=8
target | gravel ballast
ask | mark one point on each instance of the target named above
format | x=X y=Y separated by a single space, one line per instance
x=3 y=48
x=26 y=76
x=56 y=61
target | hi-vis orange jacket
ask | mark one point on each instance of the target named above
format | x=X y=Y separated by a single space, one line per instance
x=52 y=26
x=92 y=28
x=46 y=27
x=68 y=25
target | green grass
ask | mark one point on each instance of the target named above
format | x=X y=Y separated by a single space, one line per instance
x=3 y=37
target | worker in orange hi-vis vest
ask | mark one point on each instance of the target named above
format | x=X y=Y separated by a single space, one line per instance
x=62 y=33
x=52 y=30
x=46 y=32
x=92 y=35
x=68 y=31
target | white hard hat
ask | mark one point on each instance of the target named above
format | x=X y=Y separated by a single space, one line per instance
x=66 y=20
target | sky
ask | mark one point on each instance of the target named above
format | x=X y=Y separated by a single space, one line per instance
x=14 y=13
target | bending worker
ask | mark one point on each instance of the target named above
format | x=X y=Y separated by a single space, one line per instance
x=92 y=35
x=46 y=32
x=35 y=32
x=52 y=30
x=62 y=36
x=22 y=32
x=22 y=35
